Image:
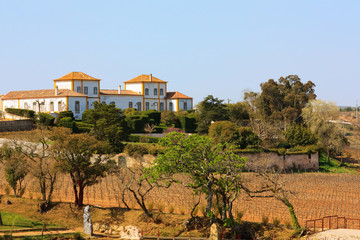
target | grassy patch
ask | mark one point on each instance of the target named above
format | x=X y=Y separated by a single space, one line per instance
x=16 y=221
x=335 y=166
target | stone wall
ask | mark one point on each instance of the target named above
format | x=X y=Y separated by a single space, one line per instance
x=282 y=162
x=16 y=125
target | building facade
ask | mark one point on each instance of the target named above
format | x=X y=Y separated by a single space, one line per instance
x=78 y=91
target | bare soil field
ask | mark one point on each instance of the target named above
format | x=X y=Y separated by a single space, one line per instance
x=315 y=195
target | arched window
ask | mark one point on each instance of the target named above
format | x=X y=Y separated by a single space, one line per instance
x=161 y=91
x=78 y=89
x=130 y=104
x=147 y=106
x=156 y=107
x=51 y=106
x=185 y=105
x=155 y=91
x=171 y=106
x=161 y=106
x=146 y=91
x=86 y=90
x=138 y=106
x=95 y=90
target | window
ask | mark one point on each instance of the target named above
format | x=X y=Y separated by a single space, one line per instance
x=77 y=107
x=78 y=89
x=59 y=106
x=185 y=105
x=26 y=105
x=95 y=90
x=161 y=92
x=138 y=106
x=113 y=103
x=103 y=102
x=155 y=91
x=161 y=106
x=86 y=90
x=147 y=106
x=34 y=106
x=130 y=104
x=51 y=106
x=156 y=106
x=146 y=91
x=171 y=106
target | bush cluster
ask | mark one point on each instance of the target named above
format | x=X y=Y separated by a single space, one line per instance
x=21 y=112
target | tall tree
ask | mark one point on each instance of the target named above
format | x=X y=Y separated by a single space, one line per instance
x=211 y=109
x=238 y=113
x=212 y=169
x=76 y=156
x=109 y=124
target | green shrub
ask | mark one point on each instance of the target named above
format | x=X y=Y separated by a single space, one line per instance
x=85 y=116
x=21 y=112
x=84 y=127
x=188 y=124
x=45 y=119
x=143 y=139
x=136 y=150
x=154 y=115
x=68 y=122
x=64 y=114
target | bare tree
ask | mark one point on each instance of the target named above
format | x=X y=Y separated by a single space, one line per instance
x=149 y=128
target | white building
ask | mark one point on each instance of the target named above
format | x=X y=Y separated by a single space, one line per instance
x=78 y=91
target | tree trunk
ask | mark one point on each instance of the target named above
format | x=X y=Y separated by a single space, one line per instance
x=81 y=194
x=209 y=197
x=294 y=219
x=328 y=157
x=1 y=222
x=75 y=190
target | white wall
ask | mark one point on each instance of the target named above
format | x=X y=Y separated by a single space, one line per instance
x=136 y=87
x=63 y=84
x=122 y=101
x=174 y=102
x=182 y=102
x=151 y=87
x=90 y=85
x=71 y=104
x=10 y=104
x=45 y=107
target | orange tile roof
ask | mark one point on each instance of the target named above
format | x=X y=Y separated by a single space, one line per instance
x=76 y=76
x=176 y=95
x=47 y=93
x=123 y=92
x=145 y=78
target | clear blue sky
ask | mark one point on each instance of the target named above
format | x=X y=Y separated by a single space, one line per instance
x=201 y=47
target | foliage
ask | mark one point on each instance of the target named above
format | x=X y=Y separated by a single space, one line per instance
x=75 y=155
x=45 y=119
x=169 y=118
x=68 y=122
x=211 y=109
x=15 y=167
x=140 y=149
x=247 y=138
x=224 y=132
x=130 y=112
x=64 y=114
x=154 y=115
x=174 y=129
x=143 y=139
x=108 y=124
x=213 y=170
x=299 y=135
x=187 y=123
x=21 y=112
x=238 y=112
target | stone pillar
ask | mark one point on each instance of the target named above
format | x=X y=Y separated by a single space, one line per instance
x=88 y=227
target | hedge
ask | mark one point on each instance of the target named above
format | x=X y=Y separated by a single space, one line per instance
x=21 y=112
x=64 y=114
x=143 y=139
x=188 y=124
x=84 y=127
x=46 y=119
x=68 y=122
x=140 y=149
x=154 y=115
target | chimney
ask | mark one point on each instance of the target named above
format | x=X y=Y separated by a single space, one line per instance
x=150 y=77
x=56 y=90
x=119 y=89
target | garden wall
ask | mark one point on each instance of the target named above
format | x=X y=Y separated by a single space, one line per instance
x=16 y=125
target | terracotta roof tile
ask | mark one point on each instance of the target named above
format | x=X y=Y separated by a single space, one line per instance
x=123 y=92
x=176 y=95
x=76 y=76
x=145 y=78
x=47 y=93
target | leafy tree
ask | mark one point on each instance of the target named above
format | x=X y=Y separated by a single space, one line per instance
x=247 y=138
x=211 y=109
x=331 y=138
x=15 y=167
x=169 y=118
x=109 y=124
x=299 y=135
x=238 y=112
x=75 y=154
x=224 y=132
x=212 y=169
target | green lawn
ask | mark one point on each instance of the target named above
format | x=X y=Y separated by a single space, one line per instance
x=335 y=166
x=15 y=221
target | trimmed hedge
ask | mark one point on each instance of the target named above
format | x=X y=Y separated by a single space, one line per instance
x=140 y=149
x=188 y=124
x=68 y=122
x=154 y=115
x=143 y=139
x=46 y=119
x=84 y=127
x=21 y=112
x=64 y=114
